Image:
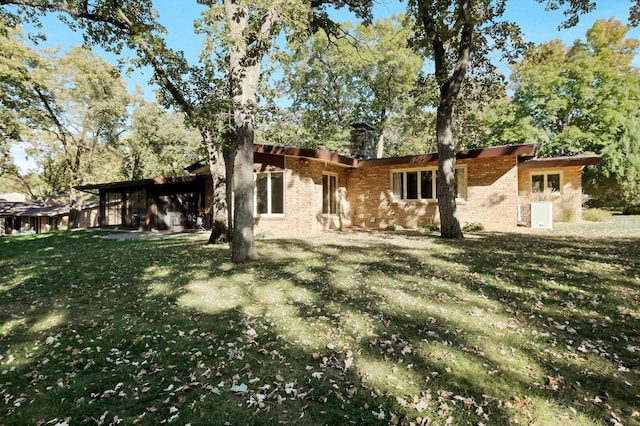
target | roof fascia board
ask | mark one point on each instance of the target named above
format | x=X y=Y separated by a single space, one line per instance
x=573 y=161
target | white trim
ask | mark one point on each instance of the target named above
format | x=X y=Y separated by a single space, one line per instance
x=545 y=173
x=335 y=193
x=269 y=198
x=461 y=188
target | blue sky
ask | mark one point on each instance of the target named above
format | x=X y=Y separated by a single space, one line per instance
x=178 y=16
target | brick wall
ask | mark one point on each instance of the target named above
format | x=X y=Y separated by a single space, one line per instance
x=494 y=188
x=303 y=200
x=567 y=206
x=491 y=196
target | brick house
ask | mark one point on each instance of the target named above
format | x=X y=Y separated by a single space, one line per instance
x=301 y=191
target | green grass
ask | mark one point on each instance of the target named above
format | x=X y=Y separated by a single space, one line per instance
x=348 y=328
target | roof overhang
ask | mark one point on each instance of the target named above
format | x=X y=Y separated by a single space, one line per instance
x=32 y=209
x=312 y=154
x=580 y=160
x=140 y=183
x=527 y=150
x=274 y=155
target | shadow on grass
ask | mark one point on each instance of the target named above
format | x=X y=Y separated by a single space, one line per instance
x=494 y=330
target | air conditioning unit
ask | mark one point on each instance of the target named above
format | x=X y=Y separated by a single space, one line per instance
x=541 y=214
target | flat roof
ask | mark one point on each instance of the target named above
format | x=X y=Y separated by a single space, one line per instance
x=19 y=208
x=263 y=151
x=567 y=161
x=494 y=151
x=140 y=183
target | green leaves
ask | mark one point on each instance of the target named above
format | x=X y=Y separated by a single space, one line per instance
x=582 y=96
x=585 y=98
x=159 y=143
x=368 y=74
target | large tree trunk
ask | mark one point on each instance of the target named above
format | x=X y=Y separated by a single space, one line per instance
x=220 y=217
x=229 y=153
x=446 y=182
x=74 y=209
x=243 y=248
x=450 y=81
x=244 y=71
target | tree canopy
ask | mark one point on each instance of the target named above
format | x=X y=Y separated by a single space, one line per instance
x=581 y=96
x=369 y=74
x=585 y=98
x=219 y=94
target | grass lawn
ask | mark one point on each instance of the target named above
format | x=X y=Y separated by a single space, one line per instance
x=348 y=328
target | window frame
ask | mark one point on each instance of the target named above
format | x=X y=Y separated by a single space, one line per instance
x=461 y=186
x=269 y=196
x=326 y=206
x=545 y=180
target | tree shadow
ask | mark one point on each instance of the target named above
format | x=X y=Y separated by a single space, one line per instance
x=337 y=332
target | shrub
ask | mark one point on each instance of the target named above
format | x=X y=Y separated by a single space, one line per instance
x=396 y=227
x=548 y=194
x=263 y=234
x=568 y=201
x=431 y=227
x=472 y=227
x=595 y=215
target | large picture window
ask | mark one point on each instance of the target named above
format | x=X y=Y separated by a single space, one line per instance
x=269 y=193
x=135 y=207
x=113 y=209
x=329 y=194
x=546 y=181
x=420 y=184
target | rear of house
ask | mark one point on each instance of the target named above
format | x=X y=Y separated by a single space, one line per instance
x=402 y=191
x=558 y=180
x=302 y=191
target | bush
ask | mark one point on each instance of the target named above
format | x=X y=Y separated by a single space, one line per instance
x=595 y=215
x=263 y=235
x=396 y=227
x=568 y=201
x=472 y=227
x=430 y=228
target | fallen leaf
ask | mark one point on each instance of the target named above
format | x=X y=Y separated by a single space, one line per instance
x=241 y=388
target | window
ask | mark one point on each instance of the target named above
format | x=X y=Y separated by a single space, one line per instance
x=461 y=182
x=329 y=194
x=545 y=180
x=269 y=193
x=421 y=184
x=135 y=205
x=113 y=209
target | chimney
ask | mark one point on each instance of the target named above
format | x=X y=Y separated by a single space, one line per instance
x=363 y=141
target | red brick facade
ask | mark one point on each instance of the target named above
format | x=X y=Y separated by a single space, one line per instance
x=303 y=200
x=496 y=191
x=567 y=204
x=365 y=198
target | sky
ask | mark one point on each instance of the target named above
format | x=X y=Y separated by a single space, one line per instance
x=537 y=26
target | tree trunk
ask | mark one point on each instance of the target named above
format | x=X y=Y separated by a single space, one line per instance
x=446 y=183
x=450 y=81
x=244 y=73
x=243 y=248
x=380 y=144
x=220 y=224
x=228 y=152
x=74 y=209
